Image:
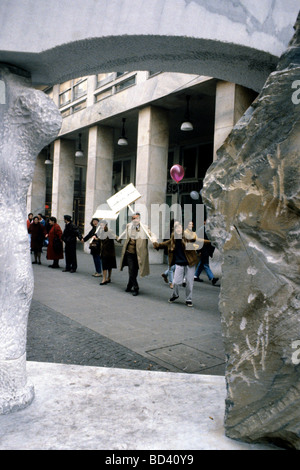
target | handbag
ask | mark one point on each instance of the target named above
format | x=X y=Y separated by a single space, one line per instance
x=94 y=246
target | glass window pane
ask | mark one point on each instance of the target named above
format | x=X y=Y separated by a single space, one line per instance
x=126 y=172
x=117 y=174
x=104 y=94
x=103 y=78
x=205 y=159
x=65 y=98
x=79 y=79
x=80 y=89
x=79 y=106
x=170 y=162
x=189 y=162
x=64 y=86
x=121 y=86
x=66 y=113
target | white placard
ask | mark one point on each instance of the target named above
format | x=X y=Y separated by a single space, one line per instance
x=105 y=214
x=123 y=198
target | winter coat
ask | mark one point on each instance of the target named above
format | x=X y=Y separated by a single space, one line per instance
x=71 y=233
x=188 y=248
x=55 y=232
x=107 y=244
x=37 y=232
x=141 y=250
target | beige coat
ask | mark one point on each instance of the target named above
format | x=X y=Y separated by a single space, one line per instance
x=141 y=250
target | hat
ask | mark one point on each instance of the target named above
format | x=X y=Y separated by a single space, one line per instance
x=67 y=217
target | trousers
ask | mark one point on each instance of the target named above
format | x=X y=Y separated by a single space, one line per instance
x=71 y=257
x=133 y=268
x=181 y=273
x=204 y=264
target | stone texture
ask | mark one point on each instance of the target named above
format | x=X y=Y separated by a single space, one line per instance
x=29 y=120
x=230 y=39
x=252 y=193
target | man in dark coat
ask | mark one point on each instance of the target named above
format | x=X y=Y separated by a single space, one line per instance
x=69 y=236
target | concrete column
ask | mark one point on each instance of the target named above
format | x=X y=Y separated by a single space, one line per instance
x=36 y=196
x=63 y=179
x=151 y=163
x=231 y=103
x=99 y=170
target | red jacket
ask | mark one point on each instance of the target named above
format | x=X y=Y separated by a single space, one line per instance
x=54 y=232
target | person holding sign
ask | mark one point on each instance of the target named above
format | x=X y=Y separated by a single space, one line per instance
x=135 y=253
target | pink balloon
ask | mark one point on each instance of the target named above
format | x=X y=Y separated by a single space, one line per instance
x=177 y=173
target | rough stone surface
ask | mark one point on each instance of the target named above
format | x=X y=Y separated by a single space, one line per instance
x=29 y=120
x=253 y=196
x=233 y=40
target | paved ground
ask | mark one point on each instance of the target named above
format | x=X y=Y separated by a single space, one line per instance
x=74 y=320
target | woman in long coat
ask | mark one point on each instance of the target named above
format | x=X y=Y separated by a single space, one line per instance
x=38 y=233
x=55 y=246
x=94 y=247
x=107 y=251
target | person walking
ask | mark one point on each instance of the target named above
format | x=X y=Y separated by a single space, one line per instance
x=205 y=252
x=135 y=253
x=37 y=234
x=69 y=236
x=107 y=251
x=168 y=274
x=94 y=246
x=55 y=246
x=183 y=255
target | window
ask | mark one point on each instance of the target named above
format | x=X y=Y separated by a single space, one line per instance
x=79 y=106
x=121 y=174
x=80 y=89
x=151 y=73
x=70 y=91
x=196 y=160
x=103 y=78
x=103 y=94
x=170 y=160
x=125 y=84
x=189 y=162
x=65 y=98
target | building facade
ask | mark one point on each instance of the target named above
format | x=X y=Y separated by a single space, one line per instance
x=147 y=109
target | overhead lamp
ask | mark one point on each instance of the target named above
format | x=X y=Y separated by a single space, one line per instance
x=79 y=152
x=187 y=125
x=48 y=160
x=123 y=140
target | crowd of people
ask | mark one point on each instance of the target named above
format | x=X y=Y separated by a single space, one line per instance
x=188 y=255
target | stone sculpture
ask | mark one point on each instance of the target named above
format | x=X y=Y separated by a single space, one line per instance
x=29 y=120
x=252 y=193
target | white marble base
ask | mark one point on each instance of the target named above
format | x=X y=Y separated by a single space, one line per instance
x=80 y=407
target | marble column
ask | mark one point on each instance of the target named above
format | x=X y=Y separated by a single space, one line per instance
x=232 y=100
x=29 y=121
x=99 y=170
x=63 y=179
x=151 y=165
x=36 y=196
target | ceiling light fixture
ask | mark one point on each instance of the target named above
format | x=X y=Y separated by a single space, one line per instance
x=123 y=140
x=79 y=152
x=187 y=125
x=48 y=160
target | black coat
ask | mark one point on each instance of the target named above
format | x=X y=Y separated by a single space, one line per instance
x=95 y=250
x=70 y=233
